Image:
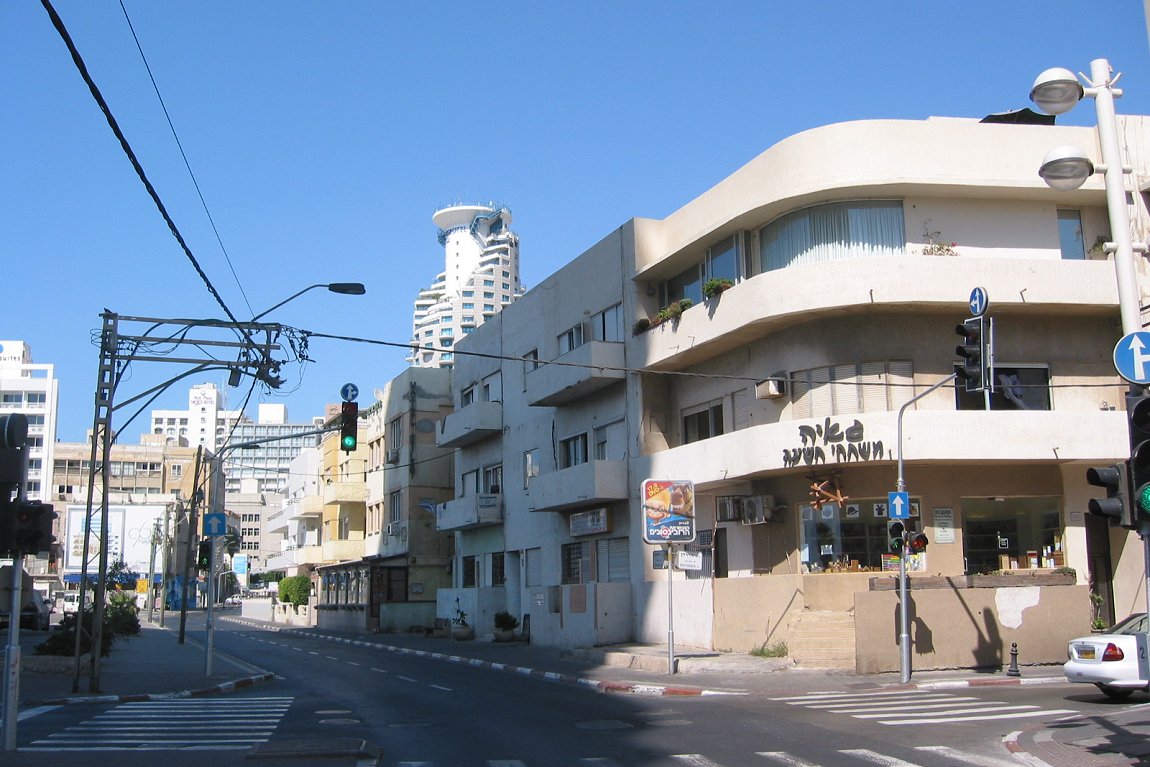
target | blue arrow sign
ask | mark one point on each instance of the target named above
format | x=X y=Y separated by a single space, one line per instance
x=979 y=302
x=1131 y=359
x=349 y=392
x=899 y=504
x=215 y=524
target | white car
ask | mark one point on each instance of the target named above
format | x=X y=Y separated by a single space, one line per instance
x=1109 y=660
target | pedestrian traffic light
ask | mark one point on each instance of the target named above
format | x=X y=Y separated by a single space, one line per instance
x=917 y=542
x=975 y=352
x=349 y=427
x=204 y=556
x=896 y=536
x=1116 y=506
x=1138 y=424
x=32 y=528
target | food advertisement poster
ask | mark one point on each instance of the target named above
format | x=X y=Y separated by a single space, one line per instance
x=668 y=511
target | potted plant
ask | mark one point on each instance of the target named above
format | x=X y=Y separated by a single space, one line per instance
x=460 y=628
x=641 y=325
x=505 y=625
x=715 y=286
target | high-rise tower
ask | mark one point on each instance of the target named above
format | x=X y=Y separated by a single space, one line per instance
x=480 y=277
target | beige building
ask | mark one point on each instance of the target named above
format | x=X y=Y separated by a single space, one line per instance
x=851 y=251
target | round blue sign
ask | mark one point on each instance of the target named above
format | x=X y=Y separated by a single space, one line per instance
x=979 y=302
x=349 y=392
x=1132 y=357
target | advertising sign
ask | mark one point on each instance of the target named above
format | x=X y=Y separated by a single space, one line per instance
x=668 y=511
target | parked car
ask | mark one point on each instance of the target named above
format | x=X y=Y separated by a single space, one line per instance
x=36 y=615
x=1109 y=660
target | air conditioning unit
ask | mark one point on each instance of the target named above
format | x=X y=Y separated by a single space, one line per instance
x=771 y=388
x=392 y=529
x=392 y=455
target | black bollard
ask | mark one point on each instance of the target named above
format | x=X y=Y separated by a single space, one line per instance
x=1013 y=670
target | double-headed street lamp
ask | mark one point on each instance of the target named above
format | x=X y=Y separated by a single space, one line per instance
x=346 y=288
x=1065 y=168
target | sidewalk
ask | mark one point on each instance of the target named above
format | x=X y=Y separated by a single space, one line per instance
x=154 y=665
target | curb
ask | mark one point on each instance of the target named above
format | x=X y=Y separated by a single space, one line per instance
x=631 y=688
x=235 y=684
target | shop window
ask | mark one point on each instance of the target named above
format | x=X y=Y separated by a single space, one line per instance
x=1011 y=534
x=1015 y=388
x=850 y=537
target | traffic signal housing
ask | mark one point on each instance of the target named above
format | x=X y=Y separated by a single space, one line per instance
x=974 y=371
x=204 y=556
x=917 y=542
x=349 y=427
x=896 y=536
x=1138 y=423
x=1117 y=506
x=32 y=525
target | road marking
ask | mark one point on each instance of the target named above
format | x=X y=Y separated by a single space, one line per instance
x=785 y=758
x=980 y=761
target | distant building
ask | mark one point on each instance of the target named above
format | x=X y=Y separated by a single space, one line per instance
x=32 y=390
x=480 y=277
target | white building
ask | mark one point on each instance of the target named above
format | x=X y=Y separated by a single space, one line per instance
x=33 y=390
x=480 y=277
x=851 y=251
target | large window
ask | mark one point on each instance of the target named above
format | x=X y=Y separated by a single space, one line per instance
x=856 y=387
x=722 y=261
x=611 y=441
x=612 y=560
x=607 y=325
x=1015 y=388
x=493 y=478
x=573 y=451
x=395 y=506
x=702 y=422
x=833 y=232
x=1070 y=240
x=572 y=338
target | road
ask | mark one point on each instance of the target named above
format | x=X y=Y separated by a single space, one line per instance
x=424 y=712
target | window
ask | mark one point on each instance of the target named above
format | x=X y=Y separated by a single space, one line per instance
x=392 y=584
x=612 y=561
x=492 y=388
x=576 y=563
x=533 y=572
x=394 y=432
x=177 y=470
x=721 y=261
x=572 y=338
x=688 y=284
x=468 y=305
x=1015 y=388
x=467 y=396
x=607 y=325
x=469 y=574
x=863 y=387
x=498 y=573
x=611 y=441
x=493 y=478
x=470 y=483
x=702 y=422
x=531 y=360
x=1070 y=240
x=573 y=451
x=395 y=506
x=530 y=466
x=833 y=232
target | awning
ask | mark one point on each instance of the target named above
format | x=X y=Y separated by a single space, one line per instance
x=124 y=580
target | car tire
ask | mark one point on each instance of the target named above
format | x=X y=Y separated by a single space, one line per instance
x=1115 y=693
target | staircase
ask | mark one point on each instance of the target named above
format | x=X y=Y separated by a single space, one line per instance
x=822 y=639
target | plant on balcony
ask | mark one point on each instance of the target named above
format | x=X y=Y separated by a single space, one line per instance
x=1099 y=246
x=505 y=625
x=642 y=325
x=672 y=311
x=715 y=286
x=933 y=248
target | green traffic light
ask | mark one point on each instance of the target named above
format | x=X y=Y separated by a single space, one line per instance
x=1144 y=499
x=348 y=442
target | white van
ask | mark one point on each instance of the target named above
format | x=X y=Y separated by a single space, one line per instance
x=70 y=602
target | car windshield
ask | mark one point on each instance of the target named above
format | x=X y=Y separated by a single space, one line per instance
x=1135 y=624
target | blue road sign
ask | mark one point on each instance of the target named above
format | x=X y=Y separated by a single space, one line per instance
x=215 y=524
x=1131 y=359
x=899 y=504
x=349 y=392
x=979 y=302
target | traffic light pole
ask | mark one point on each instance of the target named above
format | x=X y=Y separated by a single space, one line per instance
x=900 y=485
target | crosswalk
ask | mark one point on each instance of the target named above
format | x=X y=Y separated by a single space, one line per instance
x=903 y=707
x=849 y=757
x=170 y=725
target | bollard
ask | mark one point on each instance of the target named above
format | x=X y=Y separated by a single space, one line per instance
x=1013 y=670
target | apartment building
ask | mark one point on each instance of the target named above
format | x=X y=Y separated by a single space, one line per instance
x=32 y=389
x=785 y=343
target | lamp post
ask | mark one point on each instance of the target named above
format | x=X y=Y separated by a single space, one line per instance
x=1066 y=168
x=344 y=288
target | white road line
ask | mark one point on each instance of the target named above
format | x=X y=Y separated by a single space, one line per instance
x=947 y=719
x=785 y=758
x=877 y=758
x=975 y=759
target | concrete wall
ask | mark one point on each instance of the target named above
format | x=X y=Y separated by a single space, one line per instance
x=970 y=627
x=753 y=612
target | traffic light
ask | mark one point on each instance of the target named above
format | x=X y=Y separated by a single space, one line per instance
x=204 y=556
x=896 y=536
x=349 y=427
x=1116 y=506
x=32 y=528
x=917 y=542
x=975 y=352
x=1138 y=422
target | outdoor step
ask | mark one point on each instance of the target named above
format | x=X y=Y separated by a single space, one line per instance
x=820 y=639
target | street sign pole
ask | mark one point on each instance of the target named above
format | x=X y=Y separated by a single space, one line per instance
x=211 y=598
x=670 y=611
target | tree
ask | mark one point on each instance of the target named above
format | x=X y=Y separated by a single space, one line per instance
x=295 y=590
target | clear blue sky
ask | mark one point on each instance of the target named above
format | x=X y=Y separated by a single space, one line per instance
x=323 y=135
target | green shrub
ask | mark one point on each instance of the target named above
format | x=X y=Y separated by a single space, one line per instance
x=777 y=650
x=295 y=590
x=62 y=641
x=121 y=614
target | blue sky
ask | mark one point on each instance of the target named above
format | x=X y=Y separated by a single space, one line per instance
x=323 y=135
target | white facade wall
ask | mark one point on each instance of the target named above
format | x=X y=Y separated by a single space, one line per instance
x=31 y=389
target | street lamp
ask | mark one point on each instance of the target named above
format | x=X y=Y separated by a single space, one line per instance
x=345 y=288
x=1066 y=168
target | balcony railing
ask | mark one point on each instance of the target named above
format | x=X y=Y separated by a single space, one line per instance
x=478 y=510
x=476 y=421
x=582 y=371
x=588 y=484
